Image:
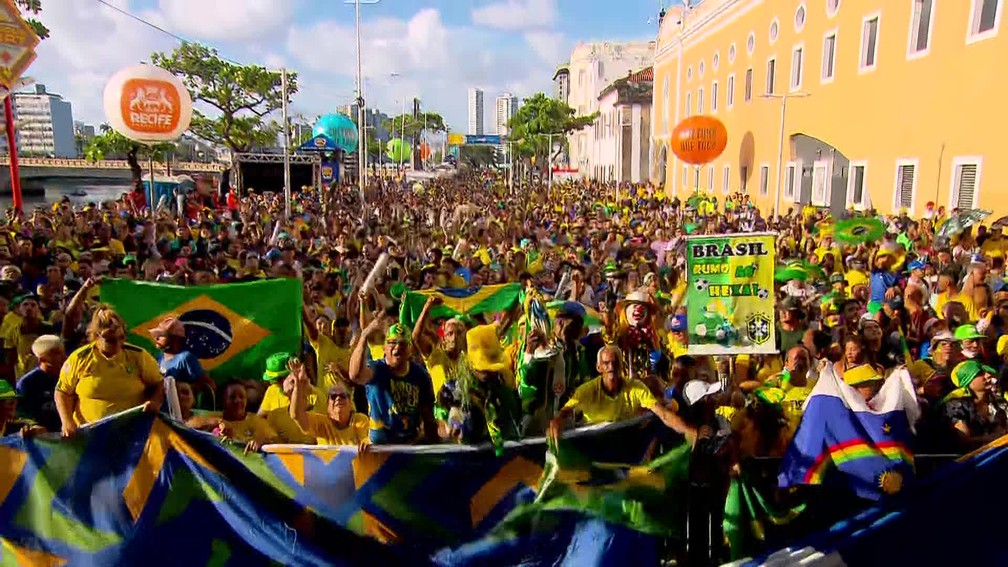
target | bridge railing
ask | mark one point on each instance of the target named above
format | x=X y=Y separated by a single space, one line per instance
x=107 y=164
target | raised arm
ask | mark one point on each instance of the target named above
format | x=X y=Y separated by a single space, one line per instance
x=299 y=397
x=360 y=373
x=419 y=337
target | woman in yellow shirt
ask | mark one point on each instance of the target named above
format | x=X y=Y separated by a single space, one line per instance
x=106 y=375
x=235 y=422
x=340 y=425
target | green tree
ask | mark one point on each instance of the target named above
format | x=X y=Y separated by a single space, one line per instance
x=33 y=7
x=242 y=97
x=478 y=156
x=109 y=144
x=413 y=126
x=537 y=118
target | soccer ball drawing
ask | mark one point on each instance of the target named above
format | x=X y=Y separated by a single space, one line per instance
x=701 y=284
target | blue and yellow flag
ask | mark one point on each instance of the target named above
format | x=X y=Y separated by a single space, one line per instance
x=232 y=328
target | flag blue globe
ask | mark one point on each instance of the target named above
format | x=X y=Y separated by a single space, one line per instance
x=338 y=128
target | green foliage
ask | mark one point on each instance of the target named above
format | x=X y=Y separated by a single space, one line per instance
x=540 y=116
x=478 y=156
x=241 y=97
x=413 y=126
x=110 y=144
x=33 y=7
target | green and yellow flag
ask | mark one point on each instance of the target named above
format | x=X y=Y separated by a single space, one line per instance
x=460 y=302
x=232 y=328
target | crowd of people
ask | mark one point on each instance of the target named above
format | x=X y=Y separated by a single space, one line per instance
x=612 y=347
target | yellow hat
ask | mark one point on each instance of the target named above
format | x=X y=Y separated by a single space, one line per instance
x=1002 y=345
x=484 y=350
x=862 y=374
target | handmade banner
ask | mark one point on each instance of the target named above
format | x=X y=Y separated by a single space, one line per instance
x=127 y=486
x=730 y=294
x=232 y=328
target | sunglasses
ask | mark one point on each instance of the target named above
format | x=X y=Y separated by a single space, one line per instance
x=339 y=396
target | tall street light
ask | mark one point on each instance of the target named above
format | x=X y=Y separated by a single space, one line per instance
x=780 y=149
x=361 y=156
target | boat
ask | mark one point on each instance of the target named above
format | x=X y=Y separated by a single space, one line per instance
x=78 y=193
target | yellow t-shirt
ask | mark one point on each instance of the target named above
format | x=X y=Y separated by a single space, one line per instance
x=597 y=406
x=286 y=428
x=327 y=351
x=442 y=369
x=252 y=427
x=10 y=324
x=116 y=247
x=105 y=386
x=325 y=431
x=275 y=399
x=967 y=303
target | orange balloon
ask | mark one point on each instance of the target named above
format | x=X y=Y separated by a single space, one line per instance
x=425 y=151
x=699 y=139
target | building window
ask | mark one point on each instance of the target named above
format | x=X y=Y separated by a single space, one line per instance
x=820 y=183
x=748 y=84
x=906 y=185
x=689 y=104
x=701 y=69
x=730 y=100
x=965 y=183
x=726 y=180
x=696 y=178
x=731 y=53
x=771 y=75
x=685 y=177
x=869 y=43
x=716 y=61
x=774 y=31
x=744 y=175
x=921 y=23
x=789 y=181
x=799 y=18
x=581 y=77
x=710 y=179
x=714 y=96
x=699 y=101
x=751 y=43
x=832 y=6
x=985 y=18
x=796 y=68
x=764 y=180
x=828 y=57
x=856 y=189
x=689 y=73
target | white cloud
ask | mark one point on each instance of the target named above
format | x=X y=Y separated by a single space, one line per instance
x=549 y=46
x=228 y=20
x=88 y=43
x=517 y=15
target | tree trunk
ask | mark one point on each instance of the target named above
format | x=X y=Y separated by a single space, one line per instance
x=135 y=169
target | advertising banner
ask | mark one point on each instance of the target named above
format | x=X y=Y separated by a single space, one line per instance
x=729 y=294
x=456 y=139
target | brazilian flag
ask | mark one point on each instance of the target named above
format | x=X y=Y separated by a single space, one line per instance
x=232 y=328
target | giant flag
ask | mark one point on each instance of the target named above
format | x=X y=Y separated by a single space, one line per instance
x=232 y=328
x=844 y=439
x=460 y=302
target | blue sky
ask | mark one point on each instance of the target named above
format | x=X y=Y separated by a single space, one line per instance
x=438 y=48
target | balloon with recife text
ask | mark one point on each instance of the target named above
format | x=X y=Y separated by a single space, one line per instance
x=699 y=139
x=147 y=104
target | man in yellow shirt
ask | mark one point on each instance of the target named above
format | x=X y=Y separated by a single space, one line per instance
x=445 y=359
x=610 y=398
x=948 y=292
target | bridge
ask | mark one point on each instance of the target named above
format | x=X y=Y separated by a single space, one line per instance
x=34 y=171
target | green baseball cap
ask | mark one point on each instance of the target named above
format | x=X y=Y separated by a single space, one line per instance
x=7 y=391
x=965 y=372
x=398 y=333
x=276 y=367
x=967 y=332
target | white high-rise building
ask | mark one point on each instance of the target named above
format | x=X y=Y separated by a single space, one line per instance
x=507 y=106
x=45 y=125
x=475 y=112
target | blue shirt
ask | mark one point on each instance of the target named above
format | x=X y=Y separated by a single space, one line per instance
x=880 y=283
x=394 y=402
x=183 y=367
x=36 y=389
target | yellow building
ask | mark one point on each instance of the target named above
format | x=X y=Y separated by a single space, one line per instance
x=884 y=103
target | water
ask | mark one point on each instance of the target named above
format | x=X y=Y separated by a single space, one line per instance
x=97 y=191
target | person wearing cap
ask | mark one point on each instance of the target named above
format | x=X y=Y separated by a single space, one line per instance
x=175 y=360
x=917 y=279
x=339 y=424
x=37 y=387
x=611 y=397
x=106 y=375
x=19 y=336
x=399 y=392
x=969 y=339
x=972 y=414
x=865 y=379
x=444 y=357
x=281 y=385
x=791 y=326
x=677 y=343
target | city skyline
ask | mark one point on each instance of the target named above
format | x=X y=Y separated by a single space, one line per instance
x=512 y=45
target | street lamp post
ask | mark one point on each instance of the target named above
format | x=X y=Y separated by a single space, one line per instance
x=286 y=142
x=780 y=148
x=361 y=142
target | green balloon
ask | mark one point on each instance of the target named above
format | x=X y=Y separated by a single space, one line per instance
x=398 y=150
